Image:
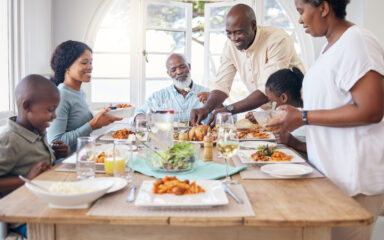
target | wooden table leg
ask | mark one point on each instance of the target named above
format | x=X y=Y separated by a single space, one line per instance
x=43 y=231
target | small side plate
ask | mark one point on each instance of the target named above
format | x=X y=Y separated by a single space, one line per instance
x=286 y=170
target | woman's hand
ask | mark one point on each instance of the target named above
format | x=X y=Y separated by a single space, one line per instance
x=60 y=148
x=203 y=97
x=37 y=168
x=291 y=120
x=282 y=135
x=101 y=119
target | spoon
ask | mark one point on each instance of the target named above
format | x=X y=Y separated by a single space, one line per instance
x=131 y=196
x=32 y=183
x=148 y=147
x=153 y=136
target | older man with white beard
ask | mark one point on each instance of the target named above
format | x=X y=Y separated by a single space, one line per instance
x=181 y=96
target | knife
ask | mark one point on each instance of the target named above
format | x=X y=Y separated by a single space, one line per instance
x=229 y=191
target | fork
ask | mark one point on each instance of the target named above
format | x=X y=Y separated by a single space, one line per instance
x=131 y=195
x=187 y=89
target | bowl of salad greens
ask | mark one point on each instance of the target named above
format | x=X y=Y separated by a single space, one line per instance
x=181 y=157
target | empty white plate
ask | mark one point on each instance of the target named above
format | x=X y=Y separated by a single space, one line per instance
x=282 y=170
x=119 y=183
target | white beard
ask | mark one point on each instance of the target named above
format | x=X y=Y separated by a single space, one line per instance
x=183 y=84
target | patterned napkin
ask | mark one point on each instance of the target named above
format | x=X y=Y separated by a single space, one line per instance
x=202 y=170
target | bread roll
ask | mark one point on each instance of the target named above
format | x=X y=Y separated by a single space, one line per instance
x=244 y=124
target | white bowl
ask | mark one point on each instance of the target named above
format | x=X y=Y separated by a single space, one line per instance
x=122 y=112
x=68 y=200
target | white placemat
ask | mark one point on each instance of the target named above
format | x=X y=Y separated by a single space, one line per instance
x=115 y=205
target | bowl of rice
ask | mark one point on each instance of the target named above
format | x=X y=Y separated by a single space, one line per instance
x=71 y=195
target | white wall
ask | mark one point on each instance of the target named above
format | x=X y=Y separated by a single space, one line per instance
x=374 y=18
x=365 y=13
x=71 y=19
x=35 y=33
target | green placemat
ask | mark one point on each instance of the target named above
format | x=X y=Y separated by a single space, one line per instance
x=202 y=170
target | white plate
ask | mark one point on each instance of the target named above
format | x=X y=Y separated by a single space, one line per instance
x=286 y=170
x=108 y=137
x=256 y=144
x=199 y=142
x=251 y=138
x=72 y=159
x=245 y=157
x=214 y=195
x=119 y=184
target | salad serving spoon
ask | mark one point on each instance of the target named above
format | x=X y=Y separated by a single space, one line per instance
x=148 y=147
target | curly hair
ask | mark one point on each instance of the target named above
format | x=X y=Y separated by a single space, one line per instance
x=287 y=81
x=63 y=57
x=338 y=6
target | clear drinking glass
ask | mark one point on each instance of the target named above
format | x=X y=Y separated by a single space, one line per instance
x=86 y=157
x=141 y=131
x=181 y=121
x=227 y=141
x=123 y=160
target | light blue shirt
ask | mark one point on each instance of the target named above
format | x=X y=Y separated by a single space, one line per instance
x=72 y=119
x=169 y=98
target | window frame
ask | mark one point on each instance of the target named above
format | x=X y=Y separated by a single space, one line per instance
x=138 y=52
x=138 y=49
x=188 y=40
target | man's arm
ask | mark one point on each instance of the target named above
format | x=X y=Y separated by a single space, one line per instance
x=216 y=97
x=254 y=100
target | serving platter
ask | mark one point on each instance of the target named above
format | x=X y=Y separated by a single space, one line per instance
x=250 y=137
x=214 y=195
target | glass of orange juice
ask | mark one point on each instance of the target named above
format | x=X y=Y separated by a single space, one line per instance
x=118 y=164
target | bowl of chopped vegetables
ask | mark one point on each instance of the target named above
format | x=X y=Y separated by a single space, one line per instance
x=181 y=157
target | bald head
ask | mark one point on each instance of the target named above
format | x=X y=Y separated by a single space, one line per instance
x=35 y=88
x=242 y=12
x=176 y=57
x=240 y=26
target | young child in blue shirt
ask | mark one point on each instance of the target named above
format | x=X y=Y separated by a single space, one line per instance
x=24 y=149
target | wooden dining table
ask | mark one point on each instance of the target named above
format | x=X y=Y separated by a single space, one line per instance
x=284 y=209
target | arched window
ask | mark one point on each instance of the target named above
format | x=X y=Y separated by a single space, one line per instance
x=131 y=40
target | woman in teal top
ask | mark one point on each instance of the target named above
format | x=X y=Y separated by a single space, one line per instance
x=72 y=65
